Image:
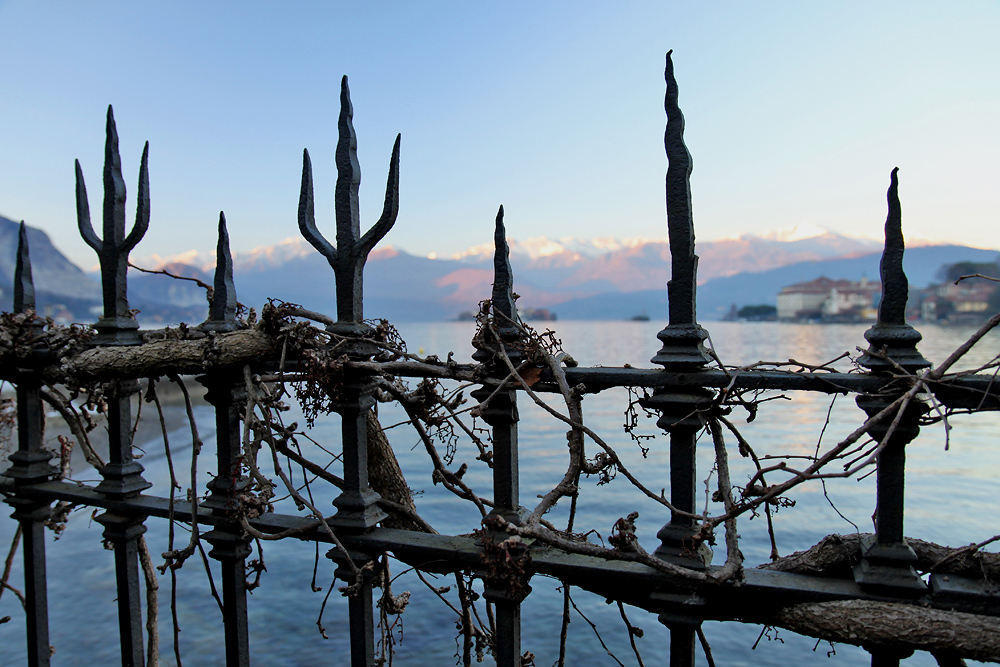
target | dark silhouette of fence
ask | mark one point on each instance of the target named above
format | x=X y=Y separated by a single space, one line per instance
x=681 y=389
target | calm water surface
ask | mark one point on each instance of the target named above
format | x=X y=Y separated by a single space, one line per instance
x=947 y=492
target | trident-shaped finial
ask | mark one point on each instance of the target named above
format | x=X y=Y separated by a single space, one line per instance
x=222 y=311
x=348 y=258
x=24 y=286
x=118 y=326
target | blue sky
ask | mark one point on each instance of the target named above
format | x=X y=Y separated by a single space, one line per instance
x=796 y=113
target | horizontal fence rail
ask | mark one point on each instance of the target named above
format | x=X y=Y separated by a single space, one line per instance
x=688 y=391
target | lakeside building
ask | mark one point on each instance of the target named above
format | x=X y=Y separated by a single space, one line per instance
x=828 y=300
x=967 y=302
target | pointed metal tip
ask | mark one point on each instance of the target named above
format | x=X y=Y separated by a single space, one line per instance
x=24 y=287
x=500 y=236
x=893 y=191
x=22 y=238
x=306 y=169
x=222 y=308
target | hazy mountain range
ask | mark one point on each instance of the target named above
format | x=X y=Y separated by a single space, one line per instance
x=577 y=278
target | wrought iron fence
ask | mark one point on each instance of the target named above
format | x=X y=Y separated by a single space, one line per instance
x=687 y=390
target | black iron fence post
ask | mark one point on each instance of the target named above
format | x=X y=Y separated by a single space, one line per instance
x=500 y=412
x=227 y=394
x=30 y=465
x=357 y=505
x=122 y=474
x=888 y=559
x=683 y=350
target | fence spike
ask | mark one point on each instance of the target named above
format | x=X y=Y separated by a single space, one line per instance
x=114 y=185
x=348 y=175
x=680 y=222
x=891 y=336
x=348 y=258
x=24 y=286
x=683 y=339
x=502 y=301
x=307 y=215
x=503 y=273
x=83 y=211
x=895 y=286
x=142 y=203
x=222 y=311
x=391 y=207
x=118 y=326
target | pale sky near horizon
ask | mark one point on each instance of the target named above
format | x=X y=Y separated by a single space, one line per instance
x=796 y=113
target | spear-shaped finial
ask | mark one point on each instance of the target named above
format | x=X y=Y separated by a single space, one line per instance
x=895 y=287
x=683 y=338
x=502 y=301
x=222 y=311
x=118 y=326
x=348 y=258
x=891 y=336
x=24 y=286
x=680 y=222
x=503 y=278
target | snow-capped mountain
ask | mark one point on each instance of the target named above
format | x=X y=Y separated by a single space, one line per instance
x=549 y=273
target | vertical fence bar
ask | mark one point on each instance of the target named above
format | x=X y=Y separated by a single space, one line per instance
x=227 y=394
x=887 y=562
x=30 y=465
x=683 y=349
x=229 y=545
x=122 y=476
x=501 y=414
x=357 y=505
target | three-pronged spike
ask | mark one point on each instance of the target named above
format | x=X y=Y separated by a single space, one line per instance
x=117 y=326
x=348 y=258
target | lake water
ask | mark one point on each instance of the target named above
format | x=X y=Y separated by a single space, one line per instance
x=947 y=496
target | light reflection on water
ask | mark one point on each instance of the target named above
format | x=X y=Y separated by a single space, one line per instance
x=941 y=487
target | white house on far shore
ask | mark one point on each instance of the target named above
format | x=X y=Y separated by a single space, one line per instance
x=829 y=300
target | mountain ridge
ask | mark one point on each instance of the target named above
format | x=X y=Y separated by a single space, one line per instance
x=601 y=278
